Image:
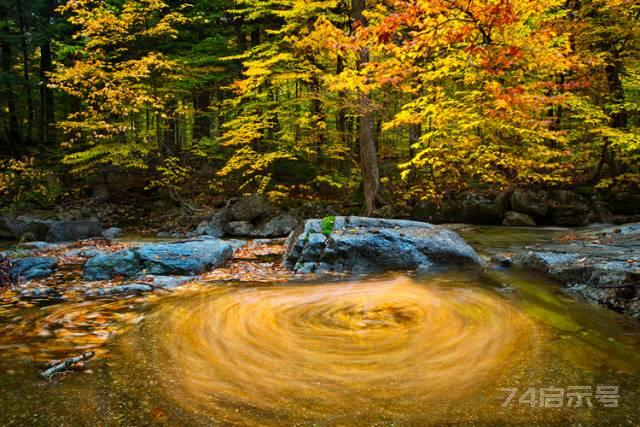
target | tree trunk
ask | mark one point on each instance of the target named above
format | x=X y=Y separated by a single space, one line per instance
x=202 y=128
x=13 y=134
x=366 y=128
x=25 y=68
x=47 y=115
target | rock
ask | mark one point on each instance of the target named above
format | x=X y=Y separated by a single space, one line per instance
x=602 y=212
x=184 y=258
x=472 y=208
x=32 y=268
x=239 y=228
x=517 y=219
x=252 y=208
x=38 y=293
x=502 y=260
x=360 y=244
x=479 y=209
x=600 y=265
x=23 y=228
x=168 y=282
x=38 y=245
x=67 y=231
x=532 y=203
x=133 y=288
x=278 y=226
x=626 y=203
x=112 y=233
x=163 y=234
x=570 y=209
x=106 y=266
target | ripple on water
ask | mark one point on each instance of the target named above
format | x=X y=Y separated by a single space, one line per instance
x=303 y=352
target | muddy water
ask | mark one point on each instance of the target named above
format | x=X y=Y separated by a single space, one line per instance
x=378 y=350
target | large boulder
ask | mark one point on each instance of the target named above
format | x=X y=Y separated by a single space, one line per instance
x=359 y=244
x=472 y=208
x=32 y=268
x=106 y=266
x=23 y=228
x=239 y=228
x=253 y=216
x=184 y=258
x=252 y=208
x=476 y=208
x=570 y=209
x=279 y=225
x=215 y=226
x=67 y=231
x=532 y=203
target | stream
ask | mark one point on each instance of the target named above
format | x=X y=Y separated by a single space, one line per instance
x=453 y=347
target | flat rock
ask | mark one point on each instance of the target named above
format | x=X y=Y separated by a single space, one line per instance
x=601 y=265
x=32 y=268
x=359 y=244
x=184 y=258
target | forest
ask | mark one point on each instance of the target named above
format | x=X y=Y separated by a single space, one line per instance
x=319 y=213
x=375 y=103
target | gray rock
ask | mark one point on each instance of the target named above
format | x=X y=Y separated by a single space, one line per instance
x=517 y=219
x=106 y=266
x=601 y=265
x=360 y=244
x=239 y=228
x=570 y=209
x=23 y=228
x=252 y=208
x=184 y=258
x=67 y=231
x=215 y=226
x=535 y=204
x=133 y=288
x=602 y=212
x=163 y=234
x=112 y=233
x=32 y=268
x=278 y=226
x=168 y=282
x=472 y=208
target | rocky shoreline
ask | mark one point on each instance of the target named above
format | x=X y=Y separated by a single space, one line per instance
x=601 y=265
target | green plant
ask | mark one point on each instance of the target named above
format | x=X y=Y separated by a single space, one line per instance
x=327 y=225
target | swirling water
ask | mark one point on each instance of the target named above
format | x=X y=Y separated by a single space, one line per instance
x=376 y=350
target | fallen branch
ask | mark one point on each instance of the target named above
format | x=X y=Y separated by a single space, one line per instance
x=65 y=365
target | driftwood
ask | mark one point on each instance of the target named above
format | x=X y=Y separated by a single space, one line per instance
x=65 y=365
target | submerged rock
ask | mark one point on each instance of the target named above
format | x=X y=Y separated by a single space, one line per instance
x=360 y=244
x=32 y=268
x=601 y=265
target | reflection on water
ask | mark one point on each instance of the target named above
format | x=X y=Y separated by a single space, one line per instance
x=383 y=346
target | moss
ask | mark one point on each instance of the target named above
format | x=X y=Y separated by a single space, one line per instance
x=327 y=225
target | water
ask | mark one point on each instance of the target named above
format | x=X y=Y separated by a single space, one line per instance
x=379 y=350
